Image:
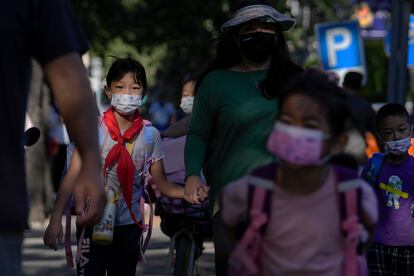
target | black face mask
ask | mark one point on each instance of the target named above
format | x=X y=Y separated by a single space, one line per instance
x=258 y=46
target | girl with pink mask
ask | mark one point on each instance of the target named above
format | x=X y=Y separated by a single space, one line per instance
x=299 y=229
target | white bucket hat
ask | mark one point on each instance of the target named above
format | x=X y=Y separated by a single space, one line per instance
x=265 y=13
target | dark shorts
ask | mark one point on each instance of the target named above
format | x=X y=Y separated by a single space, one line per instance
x=119 y=258
x=386 y=260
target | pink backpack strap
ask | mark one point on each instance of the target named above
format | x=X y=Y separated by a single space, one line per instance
x=68 y=249
x=244 y=258
x=244 y=252
x=352 y=228
x=349 y=192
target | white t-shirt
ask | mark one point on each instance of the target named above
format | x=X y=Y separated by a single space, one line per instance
x=123 y=217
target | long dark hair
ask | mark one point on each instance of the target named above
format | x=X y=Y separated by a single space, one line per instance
x=282 y=68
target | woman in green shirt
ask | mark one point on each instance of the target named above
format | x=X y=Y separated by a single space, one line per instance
x=235 y=106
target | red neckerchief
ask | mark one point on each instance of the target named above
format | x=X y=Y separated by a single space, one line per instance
x=120 y=154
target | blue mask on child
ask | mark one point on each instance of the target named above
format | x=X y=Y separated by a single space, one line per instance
x=398 y=147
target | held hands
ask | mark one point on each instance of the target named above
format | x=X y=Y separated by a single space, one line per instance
x=195 y=191
x=53 y=234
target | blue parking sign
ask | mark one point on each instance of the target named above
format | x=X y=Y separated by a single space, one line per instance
x=340 y=46
x=411 y=42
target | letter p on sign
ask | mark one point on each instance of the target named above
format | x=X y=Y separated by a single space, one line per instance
x=337 y=39
x=340 y=47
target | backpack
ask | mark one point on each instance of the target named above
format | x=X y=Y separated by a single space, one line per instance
x=245 y=257
x=148 y=195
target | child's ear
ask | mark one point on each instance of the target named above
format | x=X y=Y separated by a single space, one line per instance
x=108 y=92
x=339 y=144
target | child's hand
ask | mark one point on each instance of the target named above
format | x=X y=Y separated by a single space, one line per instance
x=202 y=192
x=192 y=189
x=53 y=234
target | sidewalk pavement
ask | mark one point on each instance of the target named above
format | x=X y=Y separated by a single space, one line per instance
x=41 y=261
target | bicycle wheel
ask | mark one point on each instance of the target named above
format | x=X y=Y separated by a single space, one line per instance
x=182 y=257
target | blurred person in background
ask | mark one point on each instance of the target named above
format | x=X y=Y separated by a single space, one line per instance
x=360 y=108
x=47 y=31
x=301 y=191
x=162 y=112
x=180 y=128
x=362 y=142
x=235 y=105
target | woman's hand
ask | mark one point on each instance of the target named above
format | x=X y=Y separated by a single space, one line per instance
x=53 y=234
x=194 y=190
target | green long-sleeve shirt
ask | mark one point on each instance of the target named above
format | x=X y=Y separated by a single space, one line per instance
x=230 y=123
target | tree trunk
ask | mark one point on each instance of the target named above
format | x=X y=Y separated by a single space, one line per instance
x=38 y=174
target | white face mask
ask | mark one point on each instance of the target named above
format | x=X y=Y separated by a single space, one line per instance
x=126 y=104
x=398 y=147
x=187 y=104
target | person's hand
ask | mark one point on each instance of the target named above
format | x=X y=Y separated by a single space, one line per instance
x=53 y=234
x=193 y=190
x=90 y=198
x=203 y=192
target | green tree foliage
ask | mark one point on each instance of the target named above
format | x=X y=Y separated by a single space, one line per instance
x=169 y=37
x=172 y=38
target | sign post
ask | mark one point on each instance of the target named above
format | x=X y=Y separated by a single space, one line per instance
x=397 y=70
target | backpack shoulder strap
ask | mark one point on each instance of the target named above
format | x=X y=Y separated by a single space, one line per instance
x=349 y=192
x=149 y=138
x=247 y=250
x=260 y=190
x=103 y=133
x=149 y=142
x=376 y=162
x=350 y=196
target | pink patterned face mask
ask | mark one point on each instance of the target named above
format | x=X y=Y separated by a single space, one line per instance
x=296 y=145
